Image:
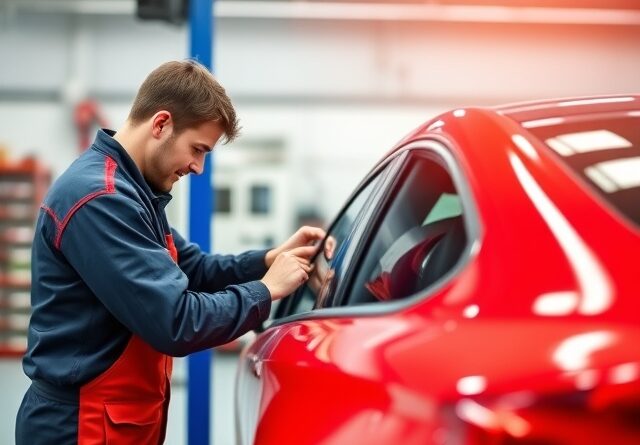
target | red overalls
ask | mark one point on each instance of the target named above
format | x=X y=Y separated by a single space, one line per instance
x=128 y=403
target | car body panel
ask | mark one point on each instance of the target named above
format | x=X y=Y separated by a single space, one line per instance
x=543 y=307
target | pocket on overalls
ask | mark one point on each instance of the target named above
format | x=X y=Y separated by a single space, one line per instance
x=133 y=423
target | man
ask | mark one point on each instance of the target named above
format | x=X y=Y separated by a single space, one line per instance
x=116 y=292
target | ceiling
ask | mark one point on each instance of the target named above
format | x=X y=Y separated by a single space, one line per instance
x=564 y=12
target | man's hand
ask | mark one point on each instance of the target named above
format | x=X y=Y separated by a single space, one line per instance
x=289 y=270
x=304 y=236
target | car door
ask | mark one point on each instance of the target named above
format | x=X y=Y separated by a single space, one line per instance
x=316 y=363
x=252 y=392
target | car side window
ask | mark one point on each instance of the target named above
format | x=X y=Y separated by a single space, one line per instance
x=333 y=257
x=420 y=238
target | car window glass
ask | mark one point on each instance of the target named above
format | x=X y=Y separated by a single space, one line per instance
x=328 y=264
x=447 y=206
x=420 y=238
x=603 y=152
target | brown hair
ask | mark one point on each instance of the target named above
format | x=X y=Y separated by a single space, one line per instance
x=190 y=93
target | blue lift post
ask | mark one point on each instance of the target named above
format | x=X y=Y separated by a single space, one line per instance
x=200 y=216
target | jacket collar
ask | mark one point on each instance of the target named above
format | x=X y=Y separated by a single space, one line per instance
x=105 y=143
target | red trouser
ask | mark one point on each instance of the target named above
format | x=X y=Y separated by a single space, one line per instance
x=128 y=403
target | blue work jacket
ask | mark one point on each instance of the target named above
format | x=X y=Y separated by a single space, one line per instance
x=101 y=272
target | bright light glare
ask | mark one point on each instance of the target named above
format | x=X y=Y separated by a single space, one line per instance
x=588 y=141
x=436 y=124
x=600 y=179
x=476 y=414
x=459 y=113
x=543 y=122
x=559 y=147
x=573 y=353
x=624 y=373
x=515 y=425
x=595 y=286
x=618 y=174
x=471 y=311
x=475 y=248
x=603 y=100
x=556 y=304
x=471 y=385
x=525 y=146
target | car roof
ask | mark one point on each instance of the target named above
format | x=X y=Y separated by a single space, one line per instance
x=481 y=138
x=537 y=110
x=543 y=109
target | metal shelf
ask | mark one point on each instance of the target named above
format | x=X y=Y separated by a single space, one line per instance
x=22 y=188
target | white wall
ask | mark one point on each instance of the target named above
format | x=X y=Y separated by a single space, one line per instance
x=339 y=93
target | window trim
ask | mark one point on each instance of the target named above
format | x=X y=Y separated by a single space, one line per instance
x=286 y=305
x=369 y=212
x=437 y=149
x=378 y=217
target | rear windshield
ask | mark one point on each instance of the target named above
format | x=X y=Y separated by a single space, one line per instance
x=603 y=149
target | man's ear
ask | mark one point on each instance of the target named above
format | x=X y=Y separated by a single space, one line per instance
x=161 y=124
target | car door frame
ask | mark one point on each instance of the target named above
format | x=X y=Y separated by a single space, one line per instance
x=388 y=168
x=436 y=148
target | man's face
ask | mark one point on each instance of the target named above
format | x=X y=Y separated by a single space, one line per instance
x=180 y=155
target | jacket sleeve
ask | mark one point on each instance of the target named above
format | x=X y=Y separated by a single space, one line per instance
x=110 y=242
x=211 y=273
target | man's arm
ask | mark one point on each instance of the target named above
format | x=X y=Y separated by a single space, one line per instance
x=110 y=243
x=211 y=273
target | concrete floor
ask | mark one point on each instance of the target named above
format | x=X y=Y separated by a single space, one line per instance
x=13 y=384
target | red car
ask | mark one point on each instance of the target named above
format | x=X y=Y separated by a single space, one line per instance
x=480 y=287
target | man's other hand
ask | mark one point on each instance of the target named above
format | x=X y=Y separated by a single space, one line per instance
x=304 y=236
x=289 y=270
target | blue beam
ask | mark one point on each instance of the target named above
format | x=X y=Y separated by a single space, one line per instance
x=200 y=216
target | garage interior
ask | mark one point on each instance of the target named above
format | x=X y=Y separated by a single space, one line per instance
x=322 y=89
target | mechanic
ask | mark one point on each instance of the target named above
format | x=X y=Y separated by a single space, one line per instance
x=117 y=292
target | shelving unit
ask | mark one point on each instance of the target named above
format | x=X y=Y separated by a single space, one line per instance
x=22 y=187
